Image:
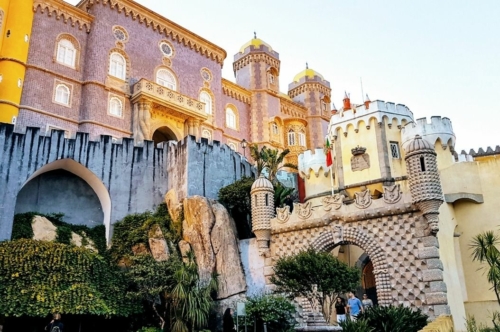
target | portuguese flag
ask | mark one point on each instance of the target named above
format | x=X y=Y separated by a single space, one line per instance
x=328 y=152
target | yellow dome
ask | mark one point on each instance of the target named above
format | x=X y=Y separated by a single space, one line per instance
x=307 y=72
x=255 y=42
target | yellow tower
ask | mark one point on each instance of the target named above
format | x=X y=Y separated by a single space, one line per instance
x=16 y=20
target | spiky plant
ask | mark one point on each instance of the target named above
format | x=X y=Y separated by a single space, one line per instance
x=484 y=250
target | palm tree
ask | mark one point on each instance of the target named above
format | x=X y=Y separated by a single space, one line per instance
x=269 y=159
x=484 y=250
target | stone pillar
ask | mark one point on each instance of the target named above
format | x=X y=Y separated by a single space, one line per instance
x=142 y=120
x=193 y=127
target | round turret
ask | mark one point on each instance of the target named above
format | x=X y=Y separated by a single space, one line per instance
x=256 y=43
x=423 y=176
x=262 y=193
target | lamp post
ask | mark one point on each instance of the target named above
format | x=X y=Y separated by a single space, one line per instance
x=244 y=144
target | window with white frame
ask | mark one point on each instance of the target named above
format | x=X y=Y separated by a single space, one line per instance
x=395 y=150
x=271 y=78
x=50 y=128
x=115 y=106
x=232 y=146
x=66 y=53
x=302 y=139
x=275 y=129
x=206 y=134
x=230 y=118
x=165 y=78
x=117 y=66
x=62 y=94
x=207 y=99
x=291 y=137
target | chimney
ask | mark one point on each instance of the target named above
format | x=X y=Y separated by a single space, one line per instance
x=347 y=102
x=367 y=102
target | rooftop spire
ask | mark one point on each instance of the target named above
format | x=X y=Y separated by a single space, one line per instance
x=367 y=102
x=307 y=65
x=254 y=35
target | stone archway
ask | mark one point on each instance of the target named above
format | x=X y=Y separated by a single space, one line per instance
x=164 y=134
x=328 y=240
x=86 y=175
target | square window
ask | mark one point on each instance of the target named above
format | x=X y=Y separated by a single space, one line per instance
x=395 y=150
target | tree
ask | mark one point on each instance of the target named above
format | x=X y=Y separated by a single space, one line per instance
x=236 y=198
x=484 y=250
x=269 y=159
x=274 y=310
x=296 y=276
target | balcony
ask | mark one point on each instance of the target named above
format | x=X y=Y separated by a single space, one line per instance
x=170 y=101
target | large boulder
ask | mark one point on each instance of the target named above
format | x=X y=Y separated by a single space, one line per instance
x=43 y=229
x=211 y=232
x=158 y=244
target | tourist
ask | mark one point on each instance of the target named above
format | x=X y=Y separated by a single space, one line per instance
x=355 y=306
x=367 y=303
x=340 y=309
x=55 y=324
x=227 y=321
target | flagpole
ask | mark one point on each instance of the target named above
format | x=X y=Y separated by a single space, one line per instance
x=331 y=175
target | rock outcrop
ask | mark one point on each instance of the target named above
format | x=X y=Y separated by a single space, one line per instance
x=43 y=229
x=211 y=232
x=158 y=244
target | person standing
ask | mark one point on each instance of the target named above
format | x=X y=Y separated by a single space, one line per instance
x=367 y=303
x=55 y=324
x=227 y=321
x=355 y=306
x=340 y=309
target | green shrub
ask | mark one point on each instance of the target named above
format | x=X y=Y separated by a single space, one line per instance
x=359 y=325
x=274 y=310
x=150 y=329
x=394 y=319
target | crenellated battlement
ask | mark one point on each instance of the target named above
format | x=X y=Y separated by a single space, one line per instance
x=378 y=110
x=313 y=161
x=437 y=129
x=469 y=156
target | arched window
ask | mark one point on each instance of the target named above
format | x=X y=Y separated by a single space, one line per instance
x=115 y=106
x=66 y=53
x=207 y=99
x=206 y=134
x=302 y=139
x=232 y=146
x=62 y=94
x=230 y=118
x=117 y=66
x=165 y=78
x=275 y=129
x=291 y=137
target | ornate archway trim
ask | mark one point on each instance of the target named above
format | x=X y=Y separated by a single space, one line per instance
x=327 y=240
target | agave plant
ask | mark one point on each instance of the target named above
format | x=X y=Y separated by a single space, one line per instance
x=394 y=319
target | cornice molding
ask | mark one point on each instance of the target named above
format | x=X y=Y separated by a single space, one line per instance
x=235 y=91
x=163 y=25
x=256 y=57
x=292 y=109
x=66 y=11
x=309 y=86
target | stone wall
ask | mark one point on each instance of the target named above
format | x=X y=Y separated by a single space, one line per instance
x=126 y=178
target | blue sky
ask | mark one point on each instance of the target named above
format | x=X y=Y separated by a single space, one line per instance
x=437 y=57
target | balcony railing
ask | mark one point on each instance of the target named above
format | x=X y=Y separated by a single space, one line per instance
x=171 y=99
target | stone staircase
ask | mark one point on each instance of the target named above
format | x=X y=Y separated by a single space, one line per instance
x=443 y=323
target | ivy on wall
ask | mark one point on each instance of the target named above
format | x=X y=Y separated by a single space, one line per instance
x=22 y=229
x=38 y=278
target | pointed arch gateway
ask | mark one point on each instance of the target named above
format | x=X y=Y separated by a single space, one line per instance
x=328 y=240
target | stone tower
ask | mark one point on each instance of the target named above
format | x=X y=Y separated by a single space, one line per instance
x=425 y=184
x=310 y=89
x=262 y=193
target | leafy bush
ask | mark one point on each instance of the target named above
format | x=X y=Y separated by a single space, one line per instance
x=38 y=278
x=394 y=319
x=274 y=310
x=236 y=198
x=359 y=325
x=473 y=326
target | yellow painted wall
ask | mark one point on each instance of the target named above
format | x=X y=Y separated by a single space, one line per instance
x=471 y=219
x=444 y=157
x=393 y=134
x=14 y=51
x=317 y=184
x=365 y=138
x=4 y=7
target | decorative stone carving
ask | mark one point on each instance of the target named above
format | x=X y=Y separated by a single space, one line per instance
x=283 y=214
x=338 y=236
x=142 y=120
x=392 y=194
x=360 y=162
x=304 y=210
x=363 y=199
x=332 y=202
